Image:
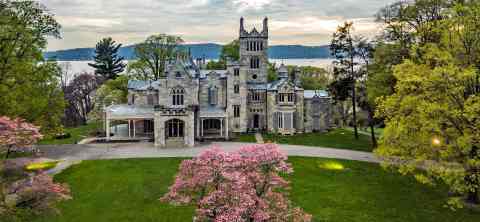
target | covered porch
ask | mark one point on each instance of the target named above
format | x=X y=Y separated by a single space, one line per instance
x=213 y=124
x=125 y=123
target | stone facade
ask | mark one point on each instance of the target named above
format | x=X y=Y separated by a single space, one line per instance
x=190 y=103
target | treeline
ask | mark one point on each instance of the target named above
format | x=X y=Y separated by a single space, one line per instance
x=421 y=79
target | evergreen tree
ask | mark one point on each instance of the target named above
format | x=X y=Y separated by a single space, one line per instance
x=108 y=64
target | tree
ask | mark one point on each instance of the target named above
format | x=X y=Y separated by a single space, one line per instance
x=108 y=64
x=153 y=55
x=112 y=92
x=17 y=134
x=240 y=186
x=343 y=49
x=364 y=52
x=229 y=51
x=432 y=121
x=34 y=191
x=25 y=27
x=79 y=95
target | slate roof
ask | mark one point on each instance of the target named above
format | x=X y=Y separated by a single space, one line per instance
x=119 y=111
x=204 y=73
x=309 y=94
x=141 y=85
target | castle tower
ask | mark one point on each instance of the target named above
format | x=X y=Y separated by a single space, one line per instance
x=254 y=53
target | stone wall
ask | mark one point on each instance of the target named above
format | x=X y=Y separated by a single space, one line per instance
x=318 y=114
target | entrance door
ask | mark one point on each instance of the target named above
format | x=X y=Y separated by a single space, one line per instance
x=256 y=121
x=174 y=129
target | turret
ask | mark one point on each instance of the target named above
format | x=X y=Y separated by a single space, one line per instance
x=282 y=72
x=265 y=27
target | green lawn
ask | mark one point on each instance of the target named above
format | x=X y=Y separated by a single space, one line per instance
x=128 y=190
x=245 y=138
x=77 y=134
x=340 y=138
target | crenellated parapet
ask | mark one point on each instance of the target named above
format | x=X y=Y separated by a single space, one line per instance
x=254 y=33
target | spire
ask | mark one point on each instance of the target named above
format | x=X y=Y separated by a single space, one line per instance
x=265 y=26
x=242 y=27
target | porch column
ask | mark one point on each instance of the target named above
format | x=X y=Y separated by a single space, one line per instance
x=291 y=121
x=129 y=133
x=198 y=127
x=107 y=127
x=221 y=127
x=226 y=128
x=201 y=127
x=134 y=129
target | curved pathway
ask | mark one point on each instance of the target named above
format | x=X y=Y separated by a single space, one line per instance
x=72 y=154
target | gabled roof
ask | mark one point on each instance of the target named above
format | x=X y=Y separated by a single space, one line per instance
x=273 y=86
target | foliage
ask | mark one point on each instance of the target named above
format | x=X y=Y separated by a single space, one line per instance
x=432 y=120
x=77 y=134
x=79 y=95
x=107 y=62
x=35 y=192
x=343 y=49
x=432 y=117
x=42 y=166
x=25 y=27
x=230 y=51
x=153 y=55
x=110 y=93
x=240 y=186
x=16 y=134
x=381 y=81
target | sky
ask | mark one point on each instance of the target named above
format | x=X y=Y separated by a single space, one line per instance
x=304 y=22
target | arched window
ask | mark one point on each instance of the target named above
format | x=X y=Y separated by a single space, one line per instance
x=177 y=96
x=254 y=63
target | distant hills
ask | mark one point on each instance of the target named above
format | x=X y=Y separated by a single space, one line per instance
x=208 y=50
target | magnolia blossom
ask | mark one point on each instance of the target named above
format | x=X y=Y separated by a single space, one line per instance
x=236 y=187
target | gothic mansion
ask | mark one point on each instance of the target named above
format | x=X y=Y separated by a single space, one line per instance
x=190 y=103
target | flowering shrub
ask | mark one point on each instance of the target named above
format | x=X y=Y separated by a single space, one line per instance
x=17 y=134
x=20 y=188
x=239 y=186
x=36 y=193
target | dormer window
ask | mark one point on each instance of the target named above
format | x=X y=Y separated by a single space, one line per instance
x=178 y=74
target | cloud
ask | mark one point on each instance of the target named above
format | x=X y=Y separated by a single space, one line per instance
x=309 y=22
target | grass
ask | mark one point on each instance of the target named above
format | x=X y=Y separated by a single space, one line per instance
x=77 y=134
x=340 y=138
x=330 y=190
x=245 y=138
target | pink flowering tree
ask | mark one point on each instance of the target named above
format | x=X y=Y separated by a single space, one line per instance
x=240 y=186
x=17 y=134
x=34 y=191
